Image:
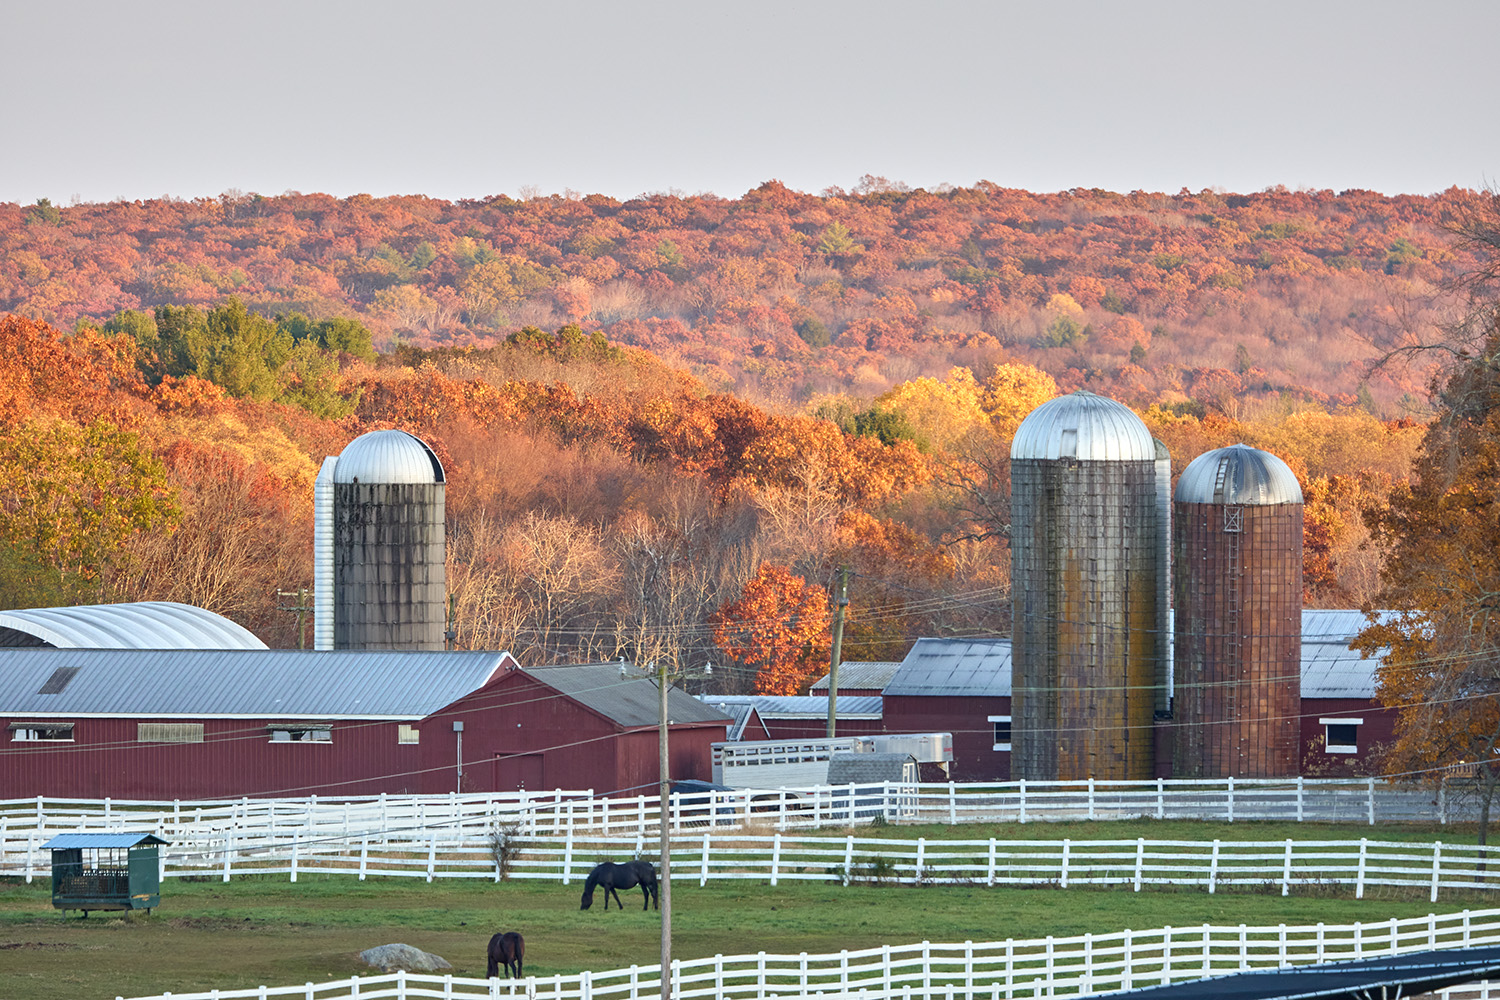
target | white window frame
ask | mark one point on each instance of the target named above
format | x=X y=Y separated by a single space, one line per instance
x=406 y=733
x=1328 y=745
x=999 y=718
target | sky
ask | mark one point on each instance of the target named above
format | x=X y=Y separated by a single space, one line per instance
x=107 y=100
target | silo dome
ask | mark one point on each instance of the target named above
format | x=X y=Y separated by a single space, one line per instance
x=1239 y=475
x=1085 y=427
x=388 y=457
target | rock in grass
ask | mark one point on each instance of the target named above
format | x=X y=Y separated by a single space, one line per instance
x=391 y=957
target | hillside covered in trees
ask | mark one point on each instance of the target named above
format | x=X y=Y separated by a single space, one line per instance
x=1208 y=301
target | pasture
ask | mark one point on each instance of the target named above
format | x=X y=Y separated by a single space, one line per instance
x=208 y=934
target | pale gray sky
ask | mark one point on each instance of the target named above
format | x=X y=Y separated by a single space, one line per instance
x=461 y=100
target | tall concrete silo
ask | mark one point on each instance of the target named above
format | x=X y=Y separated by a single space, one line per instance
x=378 y=539
x=1237 y=541
x=1084 y=557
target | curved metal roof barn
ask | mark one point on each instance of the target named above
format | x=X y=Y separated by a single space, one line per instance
x=1085 y=427
x=1238 y=474
x=142 y=625
x=391 y=456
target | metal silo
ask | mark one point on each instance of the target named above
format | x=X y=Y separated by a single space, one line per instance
x=1084 y=557
x=378 y=539
x=1237 y=540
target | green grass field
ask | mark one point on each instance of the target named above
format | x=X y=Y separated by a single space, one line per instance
x=253 y=931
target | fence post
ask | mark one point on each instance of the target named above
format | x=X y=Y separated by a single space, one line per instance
x=296 y=843
x=1319 y=956
x=989 y=878
x=1207 y=965
x=1359 y=882
x=1086 y=979
x=916 y=876
x=586 y=985
x=1230 y=801
x=1281 y=946
x=228 y=850
x=1161 y=800
x=431 y=853
x=1127 y=958
x=364 y=855
x=1300 y=789
x=1213 y=869
x=775 y=871
x=1443 y=801
x=1140 y=860
x=1437 y=854
x=1091 y=798
x=848 y=858
x=1371 y=799
x=952 y=804
x=1067 y=845
x=1022 y=790
x=1286 y=870
x=1166 y=954
x=30 y=857
x=567 y=871
x=703 y=876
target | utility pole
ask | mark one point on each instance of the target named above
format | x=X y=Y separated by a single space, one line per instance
x=840 y=603
x=665 y=880
x=301 y=607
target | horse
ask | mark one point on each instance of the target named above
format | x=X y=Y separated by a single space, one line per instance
x=625 y=875
x=506 y=949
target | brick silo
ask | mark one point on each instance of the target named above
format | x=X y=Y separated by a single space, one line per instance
x=1237 y=546
x=1085 y=555
x=379 y=546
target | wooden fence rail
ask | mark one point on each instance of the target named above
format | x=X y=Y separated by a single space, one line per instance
x=1283 y=866
x=558 y=812
x=1046 y=967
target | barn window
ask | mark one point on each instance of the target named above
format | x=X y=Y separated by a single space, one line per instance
x=169 y=732
x=41 y=732
x=300 y=732
x=408 y=734
x=1341 y=735
x=1002 y=731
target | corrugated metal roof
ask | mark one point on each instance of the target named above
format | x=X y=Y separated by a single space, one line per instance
x=1238 y=474
x=388 y=457
x=364 y=684
x=64 y=841
x=858 y=768
x=632 y=700
x=802 y=706
x=1330 y=669
x=1084 y=426
x=962 y=667
x=868 y=674
x=139 y=625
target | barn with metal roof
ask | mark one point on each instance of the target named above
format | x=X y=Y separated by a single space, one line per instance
x=193 y=724
x=142 y=625
x=860 y=677
x=796 y=717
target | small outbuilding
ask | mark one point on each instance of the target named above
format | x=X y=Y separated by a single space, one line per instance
x=105 y=871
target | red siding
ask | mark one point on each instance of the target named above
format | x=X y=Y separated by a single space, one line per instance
x=1378 y=727
x=974 y=755
x=517 y=732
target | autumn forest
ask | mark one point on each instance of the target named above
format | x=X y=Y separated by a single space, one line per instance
x=668 y=422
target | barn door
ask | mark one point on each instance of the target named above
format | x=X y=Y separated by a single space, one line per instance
x=514 y=772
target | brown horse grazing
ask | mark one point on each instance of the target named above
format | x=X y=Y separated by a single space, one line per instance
x=506 y=949
x=625 y=875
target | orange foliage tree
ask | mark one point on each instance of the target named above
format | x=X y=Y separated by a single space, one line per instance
x=779 y=627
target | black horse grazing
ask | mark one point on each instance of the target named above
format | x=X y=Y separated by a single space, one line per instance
x=625 y=875
x=506 y=949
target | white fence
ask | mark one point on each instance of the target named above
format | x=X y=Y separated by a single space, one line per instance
x=1047 y=967
x=1268 y=866
x=555 y=813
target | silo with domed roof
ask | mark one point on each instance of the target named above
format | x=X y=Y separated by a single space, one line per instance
x=1085 y=558
x=1237 y=548
x=379 y=546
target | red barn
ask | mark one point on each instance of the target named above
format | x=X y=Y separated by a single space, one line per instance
x=164 y=724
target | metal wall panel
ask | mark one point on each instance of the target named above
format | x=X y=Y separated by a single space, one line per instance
x=1239 y=640
x=1084 y=552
